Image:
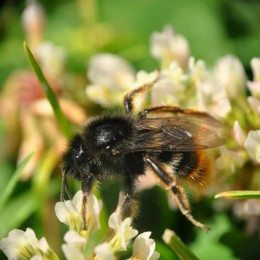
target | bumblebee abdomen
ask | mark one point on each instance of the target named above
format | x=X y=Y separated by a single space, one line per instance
x=191 y=166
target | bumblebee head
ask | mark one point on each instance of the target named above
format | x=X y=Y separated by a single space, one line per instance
x=76 y=159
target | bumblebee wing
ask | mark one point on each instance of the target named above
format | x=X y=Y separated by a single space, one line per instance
x=183 y=131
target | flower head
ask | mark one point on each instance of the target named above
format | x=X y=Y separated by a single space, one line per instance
x=169 y=46
x=52 y=58
x=110 y=77
x=144 y=248
x=69 y=213
x=230 y=74
x=123 y=232
x=24 y=245
x=104 y=252
x=74 y=247
x=239 y=134
x=252 y=145
x=33 y=19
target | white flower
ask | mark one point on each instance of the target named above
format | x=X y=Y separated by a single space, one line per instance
x=229 y=160
x=110 y=77
x=52 y=58
x=198 y=71
x=69 y=213
x=210 y=95
x=104 y=252
x=169 y=89
x=254 y=104
x=74 y=247
x=247 y=208
x=255 y=65
x=239 y=134
x=24 y=245
x=123 y=232
x=110 y=70
x=254 y=86
x=252 y=145
x=168 y=46
x=33 y=20
x=143 y=248
x=230 y=74
x=142 y=78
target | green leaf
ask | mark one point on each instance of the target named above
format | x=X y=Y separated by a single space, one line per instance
x=61 y=119
x=12 y=182
x=209 y=245
x=239 y=194
x=176 y=244
x=16 y=212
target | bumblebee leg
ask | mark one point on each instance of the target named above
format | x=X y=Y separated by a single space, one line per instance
x=128 y=205
x=160 y=109
x=177 y=192
x=130 y=97
x=64 y=187
x=86 y=185
x=170 y=109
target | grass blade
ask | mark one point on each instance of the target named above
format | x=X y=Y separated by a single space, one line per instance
x=239 y=194
x=61 y=119
x=16 y=212
x=12 y=182
x=176 y=244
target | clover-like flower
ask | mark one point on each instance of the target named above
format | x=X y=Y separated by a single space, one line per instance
x=210 y=95
x=110 y=77
x=169 y=89
x=33 y=20
x=74 y=247
x=104 y=252
x=24 y=245
x=229 y=160
x=69 y=212
x=252 y=145
x=123 y=232
x=52 y=58
x=230 y=75
x=144 y=248
x=239 y=134
x=169 y=46
x=254 y=104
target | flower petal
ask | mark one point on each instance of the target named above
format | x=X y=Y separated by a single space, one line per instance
x=252 y=145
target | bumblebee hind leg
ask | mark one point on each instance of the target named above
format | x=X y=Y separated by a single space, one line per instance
x=177 y=192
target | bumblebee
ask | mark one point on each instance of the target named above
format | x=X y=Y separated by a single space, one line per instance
x=165 y=140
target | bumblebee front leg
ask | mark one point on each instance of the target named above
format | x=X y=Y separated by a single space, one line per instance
x=86 y=185
x=178 y=193
x=160 y=109
x=64 y=187
x=130 y=97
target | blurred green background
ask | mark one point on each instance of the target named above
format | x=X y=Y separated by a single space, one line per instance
x=213 y=28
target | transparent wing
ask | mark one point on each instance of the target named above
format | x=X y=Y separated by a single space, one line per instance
x=182 y=131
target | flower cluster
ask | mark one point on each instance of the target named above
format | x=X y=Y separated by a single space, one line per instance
x=25 y=245
x=223 y=91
